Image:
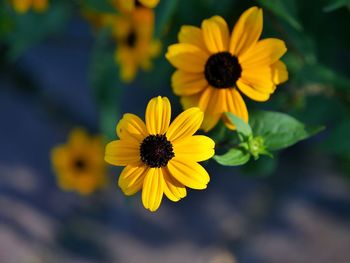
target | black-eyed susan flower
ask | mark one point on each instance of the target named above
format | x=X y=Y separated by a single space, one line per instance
x=130 y=5
x=160 y=158
x=214 y=67
x=79 y=164
x=134 y=38
x=22 y=6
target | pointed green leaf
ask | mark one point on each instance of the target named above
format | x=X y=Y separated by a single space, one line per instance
x=234 y=157
x=241 y=126
x=280 y=130
x=335 y=4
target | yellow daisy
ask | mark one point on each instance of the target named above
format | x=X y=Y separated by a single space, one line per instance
x=22 y=6
x=130 y=5
x=135 y=44
x=79 y=164
x=214 y=67
x=160 y=157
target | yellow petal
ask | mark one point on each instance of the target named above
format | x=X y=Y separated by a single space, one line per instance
x=196 y=148
x=216 y=34
x=236 y=105
x=185 y=83
x=131 y=127
x=158 y=114
x=185 y=124
x=264 y=53
x=131 y=179
x=122 y=153
x=149 y=3
x=153 y=188
x=40 y=5
x=21 y=6
x=190 y=101
x=192 y=35
x=172 y=188
x=279 y=72
x=187 y=57
x=189 y=173
x=212 y=103
x=246 y=31
x=260 y=78
x=252 y=93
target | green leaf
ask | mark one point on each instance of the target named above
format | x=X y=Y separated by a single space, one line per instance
x=336 y=4
x=284 y=9
x=280 y=130
x=241 y=126
x=99 y=6
x=234 y=157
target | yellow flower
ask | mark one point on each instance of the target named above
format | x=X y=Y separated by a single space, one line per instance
x=135 y=45
x=130 y=5
x=160 y=157
x=212 y=66
x=22 y=6
x=79 y=164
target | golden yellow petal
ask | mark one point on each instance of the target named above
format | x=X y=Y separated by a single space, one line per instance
x=192 y=35
x=260 y=78
x=122 y=153
x=187 y=57
x=172 y=188
x=264 y=53
x=185 y=83
x=185 y=124
x=236 y=105
x=131 y=179
x=21 y=6
x=131 y=127
x=189 y=173
x=190 y=101
x=247 y=31
x=195 y=148
x=279 y=72
x=216 y=34
x=158 y=114
x=153 y=188
x=251 y=92
x=149 y=3
x=212 y=103
x=40 y=5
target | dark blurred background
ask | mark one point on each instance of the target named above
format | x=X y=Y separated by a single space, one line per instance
x=57 y=72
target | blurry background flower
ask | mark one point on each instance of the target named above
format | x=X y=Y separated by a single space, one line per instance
x=79 y=164
x=130 y=5
x=22 y=6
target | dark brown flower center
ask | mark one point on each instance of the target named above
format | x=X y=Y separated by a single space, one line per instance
x=156 y=151
x=131 y=39
x=80 y=164
x=222 y=70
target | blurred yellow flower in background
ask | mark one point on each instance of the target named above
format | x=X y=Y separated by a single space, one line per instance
x=134 y=38
x=130 y=5
x=22 y=6
x=79 y=164
x=212 y=66
x=160 y=158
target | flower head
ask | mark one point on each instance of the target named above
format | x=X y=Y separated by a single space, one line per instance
x=130 y=5
x=79 y=164
x=134 y=38
x=160 y=157
x=22 y=6
x=214 y=67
